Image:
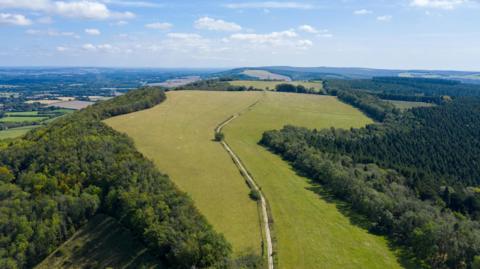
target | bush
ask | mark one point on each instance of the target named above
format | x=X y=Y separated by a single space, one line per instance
x=219 y=136
x=254 y=195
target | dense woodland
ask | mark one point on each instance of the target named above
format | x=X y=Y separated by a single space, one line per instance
x=57 y=177
x=407 y=87
x=414 y=176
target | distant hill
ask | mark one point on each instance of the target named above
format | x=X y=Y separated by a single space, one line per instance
x=309 y=73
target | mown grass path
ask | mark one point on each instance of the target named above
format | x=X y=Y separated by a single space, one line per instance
x=263 y=204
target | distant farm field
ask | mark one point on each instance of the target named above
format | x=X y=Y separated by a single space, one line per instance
x=16 y=132
x=177 y=135
x=270 y=85
x=101 y=243
x=310 y=232
x=22 y=119
x=407 y=105
x=263 y=74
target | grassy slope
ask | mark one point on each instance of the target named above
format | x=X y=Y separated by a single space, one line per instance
x=271 y=84
x=101 y=243
x=16 y=132
x=310 y=231
x=177 y=135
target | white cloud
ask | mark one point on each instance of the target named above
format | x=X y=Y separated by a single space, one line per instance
x=159 y=25
x=304 y=44
x=89 y=47
x=143 y=4
x=270 y=5
x=440 y=4
x=384 y=18
x=288 y=39
x=308 y=29
x=61 y=49
x=216 y=25
x=362 y=12
x=92 y=31
x=100 y=48
x=84 y=9
x=53 y=33
x=45 y=20
x=14 y=19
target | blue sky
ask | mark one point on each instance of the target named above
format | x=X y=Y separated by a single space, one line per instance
x=406 y=34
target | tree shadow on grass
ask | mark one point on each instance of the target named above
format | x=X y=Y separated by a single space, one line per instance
x=405 y=257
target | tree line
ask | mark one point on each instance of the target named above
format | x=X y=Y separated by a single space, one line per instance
x=56 y=178
x=436 y=237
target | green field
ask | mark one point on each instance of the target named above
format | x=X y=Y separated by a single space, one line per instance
x=16 y=132
x=101 y=243
x=270 y=85
x=22 y=119
x=403 y=105
x=310 y=232
x=22 y=113
x=177 y=135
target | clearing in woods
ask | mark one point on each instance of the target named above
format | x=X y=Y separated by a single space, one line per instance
x=178 y=136
x=263 y=74
x=101 y=243
x=270 y=85
x=309 y=231
x=404 y=105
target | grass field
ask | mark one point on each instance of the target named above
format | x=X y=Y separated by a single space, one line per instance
x=101 y=243
x=270 y=85
x=310 y=232
x=22 y=119
x=16 y=132
x=22 y=113
x=403 y=105
x=177 y=135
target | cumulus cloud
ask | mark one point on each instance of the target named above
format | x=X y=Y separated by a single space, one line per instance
x=100 y=48
x=143 y=4
x=362 y=12
x=14 y=19
x=208 y=23
x=384 y=18
x=61 y=49
x=287 y=39
x=53 y=33
x=84 y=9
x=159 y=25
x=440 y=4
x=270 y=5
x=308 y=29
x=92 y=31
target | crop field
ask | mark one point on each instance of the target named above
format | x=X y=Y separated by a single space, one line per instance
x=270 y=85
x=263 y=74
x=403 y=105
x=101 y=243
x=177 y=135
x=310 y=231
x=16 y=132
x=23 y=113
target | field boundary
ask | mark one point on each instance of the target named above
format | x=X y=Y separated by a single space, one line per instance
x=267 y=218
